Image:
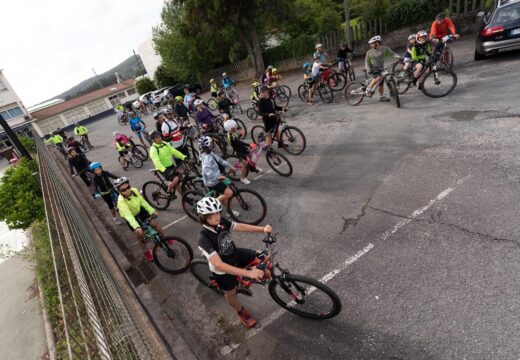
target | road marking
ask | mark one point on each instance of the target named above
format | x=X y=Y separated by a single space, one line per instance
x=326 y=278
x=264 y=173
x=175 y=222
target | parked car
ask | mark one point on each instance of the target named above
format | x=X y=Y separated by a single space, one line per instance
x=178 y=90
x=499 y=29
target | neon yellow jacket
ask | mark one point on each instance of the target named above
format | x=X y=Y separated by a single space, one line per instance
x=213 y=86
x=55 y=139
x=80 y=130
x=161 y=155
x=130 y=207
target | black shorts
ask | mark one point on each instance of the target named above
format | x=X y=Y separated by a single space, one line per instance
x=270 y=125
x=214 y=94
x=141 y=217
x=228 y=282
x=85 y=177
x=219 y=188
x=109 y=200
x=169 y=173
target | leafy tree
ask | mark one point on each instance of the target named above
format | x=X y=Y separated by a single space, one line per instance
x=163 y=77
x=313 y=17
x=28 y=143
x=144 y=85
x=21 y=200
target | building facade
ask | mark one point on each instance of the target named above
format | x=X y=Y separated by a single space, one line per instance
x=149 y=57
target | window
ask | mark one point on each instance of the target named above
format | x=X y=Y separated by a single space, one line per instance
x=114 y=100
x=11 y=111
x=75 y=114
x=3 y=87
x=97 y=107
x=49 y=125
x=507 y=16
x=131 y=91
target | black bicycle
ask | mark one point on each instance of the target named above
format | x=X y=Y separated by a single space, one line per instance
x=85 y=143
x=292 y=138
x=324 y=91
x=301 y=295
x=171 y=254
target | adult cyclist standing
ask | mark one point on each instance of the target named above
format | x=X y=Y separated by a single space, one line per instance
x=81 y=130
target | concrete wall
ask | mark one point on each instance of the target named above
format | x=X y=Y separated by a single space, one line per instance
x=150 y=58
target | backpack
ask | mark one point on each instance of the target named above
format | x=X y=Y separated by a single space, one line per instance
x=135 y=124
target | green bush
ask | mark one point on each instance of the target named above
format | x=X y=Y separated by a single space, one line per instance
x=144 y=85
x=28 y=143
x=291 y=48
x=412 y=12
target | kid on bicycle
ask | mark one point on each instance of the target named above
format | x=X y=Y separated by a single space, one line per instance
x=103 y=187
x=241 y=148
x=226 y=261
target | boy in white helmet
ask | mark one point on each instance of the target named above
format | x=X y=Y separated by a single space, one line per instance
x=375 y=64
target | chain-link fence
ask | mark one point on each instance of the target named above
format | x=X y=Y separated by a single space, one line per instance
x=101 y=317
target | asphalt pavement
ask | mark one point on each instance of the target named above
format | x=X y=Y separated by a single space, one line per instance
x=413 y=210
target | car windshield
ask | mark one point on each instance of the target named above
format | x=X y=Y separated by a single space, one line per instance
x=507 y=16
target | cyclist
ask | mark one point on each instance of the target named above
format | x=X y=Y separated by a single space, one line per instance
x=213 y=168
x=321 y=54
x=407 y=57
x=189 y=97
x=314 y=75
x=241 y=148
x=180 y=110
x=172 y=132
x=375 y=64
x=57 y=140
x=255 y=96
x=134 y=209
x=80 y=163
x=80 y=130
x=420 y=52
x=227 y=82
x=266 y=75
x=161 y=154
x=226 y=261
x=203 y=117
x=224 y=104
x=122 y=143
x=120 y=110
x=73 y=143
x=343 y=51
x=267 y=108
x=213 y=88
x=103 y=187
x=440 y=27
x=137 y=125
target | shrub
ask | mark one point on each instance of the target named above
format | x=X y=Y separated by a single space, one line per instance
x=144 y=85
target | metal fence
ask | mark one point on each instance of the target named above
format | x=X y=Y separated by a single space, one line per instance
x=100 y=316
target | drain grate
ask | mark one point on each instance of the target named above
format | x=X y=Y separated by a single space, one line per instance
x=146 y=270
x=135 y=276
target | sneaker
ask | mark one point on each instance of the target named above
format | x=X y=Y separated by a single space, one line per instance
x=245 y=181
x=282 y=145
x=148 y=255
x=259 y=170
x=172 y=195
x=117 y=221
x=384 y=98
x=246 y=318
x=235 y=213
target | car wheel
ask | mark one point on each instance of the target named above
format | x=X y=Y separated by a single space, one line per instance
x=478 y=56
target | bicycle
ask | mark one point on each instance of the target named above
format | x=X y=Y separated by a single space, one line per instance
x=324 y=91
x=279 y=96
x=251 y=205
x=292 y=138
x=336 y=80
x=355 y=91
x=138 y=150
x=279 y=163
x=232 y=94
x=156 y=192
x=123 y=118
x=129 y=158
x=299 y=294
x=146 y=136
x=85 y=143
x=346 y=67
x=171 y=254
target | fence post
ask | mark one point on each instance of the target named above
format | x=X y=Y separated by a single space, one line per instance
x=457 y=11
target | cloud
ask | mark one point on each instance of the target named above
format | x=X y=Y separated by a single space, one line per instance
x=50 y=46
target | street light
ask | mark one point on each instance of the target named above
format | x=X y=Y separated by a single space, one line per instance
x=14 y=138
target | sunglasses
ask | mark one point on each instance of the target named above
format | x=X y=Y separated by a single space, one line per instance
x=125 y=189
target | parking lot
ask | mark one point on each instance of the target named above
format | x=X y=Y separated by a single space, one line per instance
x=411 y=212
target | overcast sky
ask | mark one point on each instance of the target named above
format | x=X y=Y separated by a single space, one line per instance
x=49 y=46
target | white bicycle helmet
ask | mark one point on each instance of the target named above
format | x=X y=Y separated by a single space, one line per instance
x=411 y=37
x=229 y=125
x=421 y=33
x=205 y=141
x=197 y=102
x=318 y=46
x=374 y=39
x=208 y=205
x=120 y=181
x=224 y=74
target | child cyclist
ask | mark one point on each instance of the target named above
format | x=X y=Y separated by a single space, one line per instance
x=226 y=261
x=135 y=210
x=103 y=187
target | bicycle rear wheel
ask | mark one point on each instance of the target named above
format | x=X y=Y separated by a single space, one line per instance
x=447 y=58
x=141 y=152
x=279 y=163
x=293 y=140
x=337 y=81
x=286 y=90
x=192 y=182
x=156 y=195
x=251 y=113
x=248 y=205
x=212 y=104
x=123 y=162
x=189 y=203
x=439 y=83
x=256 y=131
x=172 y=255
x=394 y=94
x=305 y=297
x=326 y=93
x=200 y=269
x=354 y=93
x=241 y=128
x=303 y=92
x=136 y=162
x=351 y=73
x=281 y=99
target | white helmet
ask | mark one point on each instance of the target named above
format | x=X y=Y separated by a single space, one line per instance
x=318 y=46
x=411 y=37
x=197 y=102
x=208 y=205
x=120 y=181
x=421 y=33
x=205 y=141
x=374 y=39
x=224 y=74
x=229 y=125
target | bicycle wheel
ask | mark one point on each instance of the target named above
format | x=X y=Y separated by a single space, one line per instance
x=212 y=104
x=293 y=139
x=256 y=131
x=305 y=297
x=172 y=255
x=192 y=182
x=394 y=94
x=136 y=162
x=351 y=73
x=189 y=203
x=447 y=58
x=326 y=93
x=241 y=128
x=123 y=162
x=141 y=152
x=156 y=195
x=247 y=206
x=279 y=163
x=303 y=92
x=354 y=93
x=121 y=121
x=200 y=269
x=404 y=81
x=237 y=108
x=286 y=90
x=281 y=99
x=251 y=113
x=337 y=81
x=236 y=164
x=439 y=83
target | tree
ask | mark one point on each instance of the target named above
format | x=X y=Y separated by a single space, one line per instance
x=21 y=200
x=144 y=85
x=163 y=77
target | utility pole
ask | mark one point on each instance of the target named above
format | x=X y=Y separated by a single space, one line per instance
x=346 y=5
x=13 y=138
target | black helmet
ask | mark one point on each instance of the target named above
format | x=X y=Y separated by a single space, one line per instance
x=70 y=138
x=440 y=16
x=69 y=150
x=55 y=132
x=154 y=134
x=156 y=114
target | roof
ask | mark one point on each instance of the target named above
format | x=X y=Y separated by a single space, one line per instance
x=82 y=100
x=44 y=105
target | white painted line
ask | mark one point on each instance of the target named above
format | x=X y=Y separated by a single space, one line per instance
x=265 y=172
x=175 y=222
x=228 y=348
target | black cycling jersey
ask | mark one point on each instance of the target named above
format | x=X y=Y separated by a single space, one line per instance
x=342 y=53
x=266 y=107
x=218 y=241
x=79 y=162
x=224 y=105
x=181 y=110
x=101 y=183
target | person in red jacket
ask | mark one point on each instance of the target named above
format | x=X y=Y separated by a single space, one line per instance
x=440 y=27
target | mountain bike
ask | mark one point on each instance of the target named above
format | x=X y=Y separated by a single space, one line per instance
x=335 y=80
x=129 y=158
x=232 y=94
x=292 y=138
x=323 y=90
x=123 y=118
x=245 y=206
x=171 y=254
x=252 y=112
x=278 y=94
x=279 y=163
x=85 y=143
x=301 y=295
x=356 y=91
x=346 y=68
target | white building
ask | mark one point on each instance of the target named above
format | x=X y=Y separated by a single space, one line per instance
x=149 y=57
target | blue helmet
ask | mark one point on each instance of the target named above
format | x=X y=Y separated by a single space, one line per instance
x=95 y=165
x=306 y=65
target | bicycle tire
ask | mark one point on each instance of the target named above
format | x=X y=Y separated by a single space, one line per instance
x=212 y=104
x=123 y=162
x=241 y=128
x=234 y=161
x=176 y=250
x=200 y=269
x=275 y=161
x=303 y=92
x=192 y=182
x=189 y=203
x=447 y=58
x=251 y=113
x=136 y=162
x=256 y=131
x=243 y=206
x=281 y=99
x=238 y=108
x=353 y=93
x=156 y=195
x=326 y=93
x=141 y=152
x=428 y=92
x=286 y=90
x=351 y=73
x=337 y=81
x=121 y=121
x=294 y=139
x=394 y=94
x=276 y=290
